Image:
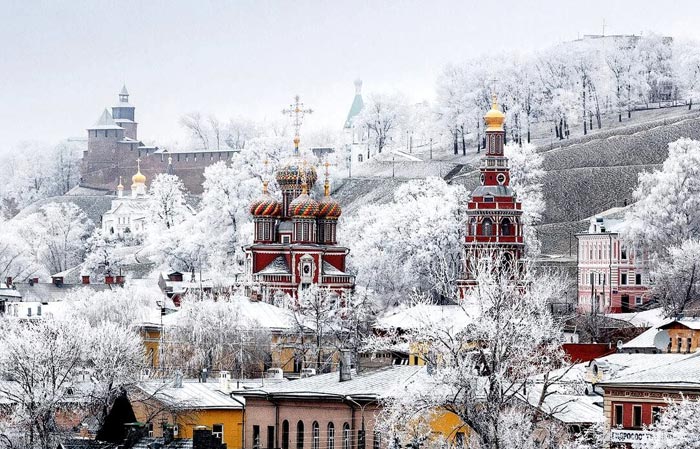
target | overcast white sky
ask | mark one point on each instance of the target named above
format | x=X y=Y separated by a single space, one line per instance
x=62 y=62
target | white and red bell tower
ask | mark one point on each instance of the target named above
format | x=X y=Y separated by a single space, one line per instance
x=494 y=215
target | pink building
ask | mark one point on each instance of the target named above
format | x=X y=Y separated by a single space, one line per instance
x=612 y=277
x=327 y=411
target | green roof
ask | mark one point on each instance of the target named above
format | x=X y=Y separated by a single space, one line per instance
x=357 y=105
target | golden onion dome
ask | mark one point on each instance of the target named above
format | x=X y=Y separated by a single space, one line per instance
x=265 y=205
x=494 y=118
x=328 y=207
x=138 y=178
x=293 y=173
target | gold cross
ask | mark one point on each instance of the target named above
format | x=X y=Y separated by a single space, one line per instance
x=297 y=112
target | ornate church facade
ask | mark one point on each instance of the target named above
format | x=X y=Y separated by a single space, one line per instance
x=295 y=238
x=494 y=214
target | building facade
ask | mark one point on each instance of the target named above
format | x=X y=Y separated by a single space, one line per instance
x=114 y=148
x=494 y=214
x=295 y=239
x=612 y=276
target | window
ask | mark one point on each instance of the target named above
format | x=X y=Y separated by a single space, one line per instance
x=29 y=311
x=505 y=227
x=300 y=435
x=256 y=437
x=359 y=158
x=331 y=436
x=638 y=300
x=285 y=434
x=618 y=415
x=346 y=436
x=688 y=344
x=459 y=439
x=623 y=253
x=638 y=279
x=679 y=341
x=473 y=225
x=487 y=227
x=270 y=437
x=315 y=436
x=150 y=429
x=655 y=414
x=637 y=416
x=623 y=279
x=38 y=310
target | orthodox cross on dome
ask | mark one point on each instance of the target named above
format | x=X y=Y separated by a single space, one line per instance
x=327 y=184
x=297 y=112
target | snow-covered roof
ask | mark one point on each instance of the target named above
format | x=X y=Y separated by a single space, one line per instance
x=192 y=395
x=624 y=364
x=646 y=318
x=48 y=292
x=8 y=292
x=678 y=372
x=690 y=323
x=569 y=408
x=454 y=316
x=373 y=384
x=645 y=340
x=277 y=266
x=331 y=270
x=105 y=122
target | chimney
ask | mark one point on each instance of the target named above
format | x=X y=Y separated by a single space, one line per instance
x=8 y=281
x=57 y=280
x=178 y=379
x=203 y=376
x=36 y=280
x=109 y=279
x=225 y=381
x=345 y=363
x=86 y=279
x=120 y=280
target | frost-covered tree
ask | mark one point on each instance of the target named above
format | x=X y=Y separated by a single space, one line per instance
x=667 y=211
x=396 y=246
x=383 y=115
x=526 y=176
x=676 y=428
x=55 y=236
x=42 y=359
x=665 y=221
x=677 y=278
x=479 y=368
x=686 y=64
x=15 y=261
x=35 y=171
x=46 y=364
x=167 y=201
x=125 y=306
x=215 y=335
x=102 y=255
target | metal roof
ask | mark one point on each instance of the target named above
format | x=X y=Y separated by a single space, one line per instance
x=106 y=122
x=191 y=396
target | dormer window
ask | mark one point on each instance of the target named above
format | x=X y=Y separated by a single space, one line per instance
x=488 y=199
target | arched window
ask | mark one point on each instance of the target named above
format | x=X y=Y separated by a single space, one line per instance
x=331 y=436
x=315 y=436
x=346 y=436
x=285 y=434
x=300 y=435
x=505 y=227
x=486 y=227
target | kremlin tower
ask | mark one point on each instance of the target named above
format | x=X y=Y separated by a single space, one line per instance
x=494 y=215
x=295 y=242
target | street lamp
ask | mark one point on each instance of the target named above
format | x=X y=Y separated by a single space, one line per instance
x=361 y=433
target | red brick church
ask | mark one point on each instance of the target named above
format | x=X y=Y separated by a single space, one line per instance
x=295 y=243
x=494 y=214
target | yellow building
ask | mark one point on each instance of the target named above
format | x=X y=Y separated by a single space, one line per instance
x=684 y=335
x=184 y=405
